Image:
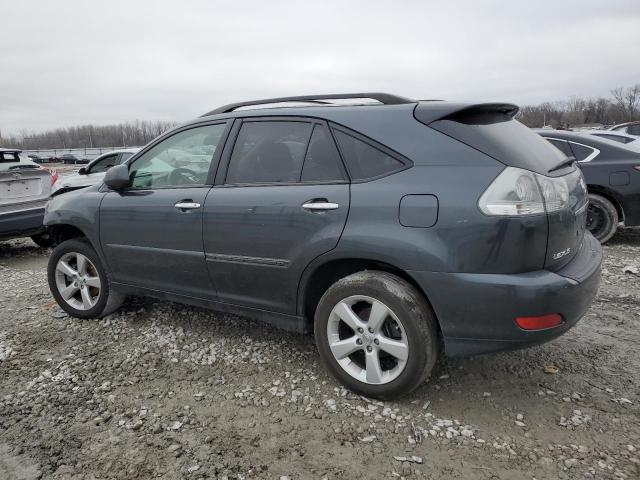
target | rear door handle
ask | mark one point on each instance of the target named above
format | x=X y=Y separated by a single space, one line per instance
x=320 y=206
x=187 y=205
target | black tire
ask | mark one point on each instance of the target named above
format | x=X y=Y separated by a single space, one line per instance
x=107 y=300
x=602 y=218
x=411 y=309
x=43 y=240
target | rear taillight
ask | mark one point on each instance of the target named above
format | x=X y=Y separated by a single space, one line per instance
x=517 y=192
x=540 y=322
x=637 y=167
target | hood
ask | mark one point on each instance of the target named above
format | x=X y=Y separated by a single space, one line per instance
x=78 y=181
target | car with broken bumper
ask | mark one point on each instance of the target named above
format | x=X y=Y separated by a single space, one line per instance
x=395 y=230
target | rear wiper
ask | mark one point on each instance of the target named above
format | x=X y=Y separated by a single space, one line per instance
x=566 y=163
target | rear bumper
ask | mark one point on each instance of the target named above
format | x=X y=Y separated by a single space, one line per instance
x=477 y=311
x=22 y=223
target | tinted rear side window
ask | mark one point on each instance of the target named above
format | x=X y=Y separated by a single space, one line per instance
x=269 y=152
x=321 y=164
x=581 y=152
x=365 y=161
x=562 y=146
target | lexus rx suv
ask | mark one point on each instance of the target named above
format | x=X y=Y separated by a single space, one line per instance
x=396 y=230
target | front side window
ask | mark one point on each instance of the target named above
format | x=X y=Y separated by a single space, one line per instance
x=363 y=160
x=104 y=164
x=269 y=152
x=183 y=159
x=124 y=156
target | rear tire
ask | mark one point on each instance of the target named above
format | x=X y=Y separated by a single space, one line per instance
x=602 y=218
x=43 y=240
x=78 y=281
x=388 y=344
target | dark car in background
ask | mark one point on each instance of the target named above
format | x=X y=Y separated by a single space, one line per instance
x=612 y=173
x=394 y=231
x=69 y=158
x=24 y=190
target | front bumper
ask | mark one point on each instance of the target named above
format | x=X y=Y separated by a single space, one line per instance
x=477 y=311
x=22 y=223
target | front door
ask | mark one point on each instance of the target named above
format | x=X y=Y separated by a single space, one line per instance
x=284 y=201
x=151 y=233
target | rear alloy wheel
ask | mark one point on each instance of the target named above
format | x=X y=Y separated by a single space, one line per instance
x=78 y=281
x=602 y=218
x=376 y=333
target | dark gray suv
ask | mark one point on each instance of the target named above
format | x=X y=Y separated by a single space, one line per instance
x=395 y=230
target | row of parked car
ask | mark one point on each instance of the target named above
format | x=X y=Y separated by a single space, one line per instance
x=66 y=158
x=607 y=158
x=366 y=224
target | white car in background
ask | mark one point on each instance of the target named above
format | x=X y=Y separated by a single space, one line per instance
x=615 y=136
x=630 y=128
x=94 y=172
x=25 y=187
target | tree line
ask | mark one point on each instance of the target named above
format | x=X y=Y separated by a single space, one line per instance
x=622 y=105
x=128 y=134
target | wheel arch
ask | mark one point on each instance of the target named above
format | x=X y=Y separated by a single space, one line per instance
x=320 y=276
x=609 y=195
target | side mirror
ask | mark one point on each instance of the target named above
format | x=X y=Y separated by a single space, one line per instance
x=117 y=177
x=82 y=171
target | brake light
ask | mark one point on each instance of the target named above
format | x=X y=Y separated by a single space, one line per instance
x=517 y=192
x=540 y=322
x=54 y=176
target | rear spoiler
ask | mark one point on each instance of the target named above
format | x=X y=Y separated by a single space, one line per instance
x=432 y=111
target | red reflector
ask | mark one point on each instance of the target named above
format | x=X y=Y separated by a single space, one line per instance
x=538 y=323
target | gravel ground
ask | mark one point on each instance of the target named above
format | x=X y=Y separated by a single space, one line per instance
x=160 y=390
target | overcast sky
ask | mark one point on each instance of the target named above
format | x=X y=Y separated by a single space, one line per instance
x=69 y=62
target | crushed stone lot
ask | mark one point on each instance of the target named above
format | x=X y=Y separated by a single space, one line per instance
x=160 y=390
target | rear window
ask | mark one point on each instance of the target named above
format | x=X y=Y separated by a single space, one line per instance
x=364 y=161
x=7 y=157
x=504 y=139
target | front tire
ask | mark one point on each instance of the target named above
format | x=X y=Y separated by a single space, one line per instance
x=602 y=218
x=376 y=334
x=79 y=282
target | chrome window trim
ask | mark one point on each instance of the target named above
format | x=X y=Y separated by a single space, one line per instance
x=590 y=157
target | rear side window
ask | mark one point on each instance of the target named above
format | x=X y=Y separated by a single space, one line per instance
x=582 y=152
x=363 y=160
x=633 y=130
x=9 y=157
x=269 y=152
x=562 y=146
x=321 y=163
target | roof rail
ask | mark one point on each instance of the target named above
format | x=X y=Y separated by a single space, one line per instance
x=384 y=98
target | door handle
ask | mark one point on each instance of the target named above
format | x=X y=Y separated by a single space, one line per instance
x=187 y=205
x=320 y=206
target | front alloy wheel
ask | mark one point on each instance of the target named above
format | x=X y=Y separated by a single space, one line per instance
x=78 y=281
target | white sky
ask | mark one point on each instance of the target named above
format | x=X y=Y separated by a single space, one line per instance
x=70 y=62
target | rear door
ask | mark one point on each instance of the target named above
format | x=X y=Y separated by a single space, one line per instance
x=282 y=200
